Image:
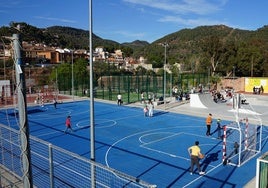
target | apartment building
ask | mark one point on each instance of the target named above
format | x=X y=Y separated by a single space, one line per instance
x=40 y=54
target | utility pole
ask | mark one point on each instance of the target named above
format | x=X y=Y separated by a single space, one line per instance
x=165 y=74
x=251 y=74
x=72 y=74
x=23 y=120
x=92 y=118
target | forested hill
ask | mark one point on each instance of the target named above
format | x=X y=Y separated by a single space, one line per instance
x=67 y=37
x=219 y=48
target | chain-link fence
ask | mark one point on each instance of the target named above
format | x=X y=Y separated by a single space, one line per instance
x=107 y=86
x=131 y=86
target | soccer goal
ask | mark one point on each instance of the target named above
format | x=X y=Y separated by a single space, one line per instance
x=242 y=138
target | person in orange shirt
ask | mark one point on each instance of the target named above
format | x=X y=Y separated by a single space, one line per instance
x=195 y=153
x=208 y=123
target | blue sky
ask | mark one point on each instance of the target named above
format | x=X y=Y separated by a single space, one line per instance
x=129 y=20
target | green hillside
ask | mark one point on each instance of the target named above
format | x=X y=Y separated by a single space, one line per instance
x=218 y=48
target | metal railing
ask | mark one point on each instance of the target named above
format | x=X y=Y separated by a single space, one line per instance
x=53 y=166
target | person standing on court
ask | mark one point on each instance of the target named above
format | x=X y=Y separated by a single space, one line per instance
x=68 y=124
x=219 y=128
x=142 y=97
x=195 y=155
x=145 y=109
x=150 y=108
x=208 y=123
x=55 y=103
x=119 y=99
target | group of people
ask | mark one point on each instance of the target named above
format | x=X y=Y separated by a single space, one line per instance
x=195 y=151
x=218 y=97
x=258 y=90
x=209 y=123
x=150 y=97
x=148 y=109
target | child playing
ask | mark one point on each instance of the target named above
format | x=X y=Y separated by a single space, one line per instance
x=145 y=109
x=68 y=124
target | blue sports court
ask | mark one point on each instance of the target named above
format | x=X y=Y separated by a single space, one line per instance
x=153 y=149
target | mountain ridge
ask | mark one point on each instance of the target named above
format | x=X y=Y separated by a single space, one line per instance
x=194 y=49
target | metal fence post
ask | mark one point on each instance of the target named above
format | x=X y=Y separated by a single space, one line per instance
x=51 y=167
x=23 y=118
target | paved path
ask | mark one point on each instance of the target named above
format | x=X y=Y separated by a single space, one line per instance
x=257 y=103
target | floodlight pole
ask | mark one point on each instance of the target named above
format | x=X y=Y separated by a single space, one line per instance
x=233 y=77
x=23 y=120
x=57 y=88
x=165 y=74
x=4 y=58
x=92 y=126
x=73 y=75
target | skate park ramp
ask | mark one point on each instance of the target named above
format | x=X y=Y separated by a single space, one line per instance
x=203 y=100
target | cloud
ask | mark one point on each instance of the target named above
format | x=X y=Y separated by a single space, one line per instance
x=189 y=13
x=200 y=7
x=123 y=34
x=190 y=22
x=55 y=19
x=129 y=34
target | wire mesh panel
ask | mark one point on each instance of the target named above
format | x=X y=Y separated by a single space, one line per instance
x=242 y=139
x=10 y=150
x=39 y=162
x=241 y=142
x=68 y=167
x=55 y=167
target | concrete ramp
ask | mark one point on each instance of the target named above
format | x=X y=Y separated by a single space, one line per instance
x=207 y=100
x=195 y=101
x=202 y=100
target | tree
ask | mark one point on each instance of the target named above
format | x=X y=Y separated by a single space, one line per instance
x=212 y=49
x=250 y=61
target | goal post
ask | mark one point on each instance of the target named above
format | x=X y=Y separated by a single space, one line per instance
x=241 y=142
x=242 y=138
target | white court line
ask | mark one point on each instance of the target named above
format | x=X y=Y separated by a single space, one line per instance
x=143 y=145
x=143 y=132
x=100 y=127
x=138 y=133
x=196 y=179
x=157 y=140
x=165 y=153
x=50 y=115
x=126 y=137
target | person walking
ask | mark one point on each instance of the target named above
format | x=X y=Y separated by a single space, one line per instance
x=208 y=123
x=195 y=155
x=68 y=124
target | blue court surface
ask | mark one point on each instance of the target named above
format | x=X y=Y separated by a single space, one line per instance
x=153 y=149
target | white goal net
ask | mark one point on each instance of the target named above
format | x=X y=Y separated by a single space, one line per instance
x=242 y=138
